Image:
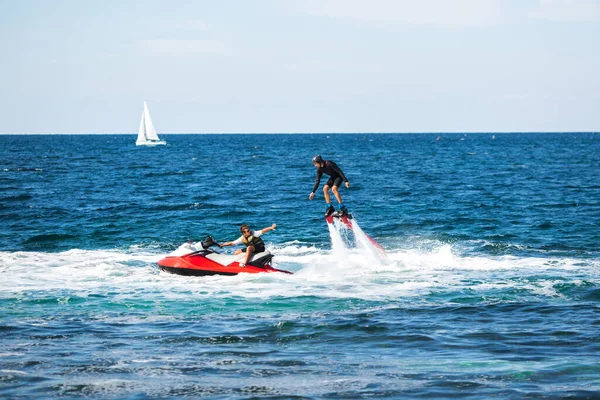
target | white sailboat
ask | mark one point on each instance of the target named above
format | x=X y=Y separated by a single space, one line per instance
x=147 y=135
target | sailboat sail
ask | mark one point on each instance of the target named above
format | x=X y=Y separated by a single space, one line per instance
x=147 y=133
x=141 y=138
x=150 y=131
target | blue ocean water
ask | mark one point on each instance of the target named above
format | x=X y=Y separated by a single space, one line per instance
x=490 y=288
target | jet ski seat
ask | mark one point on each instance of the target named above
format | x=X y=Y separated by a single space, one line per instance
x=258 y=259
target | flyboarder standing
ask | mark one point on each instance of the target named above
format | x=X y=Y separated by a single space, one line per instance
x=330 y=168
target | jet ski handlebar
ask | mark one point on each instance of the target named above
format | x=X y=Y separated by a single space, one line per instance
x=209 y=241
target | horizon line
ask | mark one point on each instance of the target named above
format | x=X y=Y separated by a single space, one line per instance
x=303 y=133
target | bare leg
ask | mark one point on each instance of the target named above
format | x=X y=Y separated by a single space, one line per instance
x=326 y=194
x=336 y=193
x=249 y=252
x=238 y=251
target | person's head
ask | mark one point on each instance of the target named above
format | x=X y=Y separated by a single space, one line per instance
x=317 y=160
x=245 y=230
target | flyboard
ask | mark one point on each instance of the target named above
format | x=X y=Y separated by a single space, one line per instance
x=346 y=218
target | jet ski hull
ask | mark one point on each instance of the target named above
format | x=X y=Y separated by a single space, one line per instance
x=193 y=271
x=200 y=264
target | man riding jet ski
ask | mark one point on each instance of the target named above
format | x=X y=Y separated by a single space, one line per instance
x=252 y=240
x=195 y=259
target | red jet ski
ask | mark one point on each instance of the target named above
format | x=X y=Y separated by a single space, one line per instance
x=195 y=259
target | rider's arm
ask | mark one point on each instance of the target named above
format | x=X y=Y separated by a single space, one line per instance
x=232 y=243
x=267 y=229
x=317 y=181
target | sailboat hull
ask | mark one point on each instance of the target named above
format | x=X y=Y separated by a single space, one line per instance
x=148 y=143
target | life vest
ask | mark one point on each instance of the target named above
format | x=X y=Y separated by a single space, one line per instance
x=252 y=241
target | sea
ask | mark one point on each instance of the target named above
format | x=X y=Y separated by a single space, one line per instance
x=489 y=285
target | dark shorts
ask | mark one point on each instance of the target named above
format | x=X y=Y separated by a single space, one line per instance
x=334 y=181
x=257 y=249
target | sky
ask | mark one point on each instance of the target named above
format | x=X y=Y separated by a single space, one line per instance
x=286 y=66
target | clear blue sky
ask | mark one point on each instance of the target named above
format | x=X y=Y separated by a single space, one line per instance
x=79 y=66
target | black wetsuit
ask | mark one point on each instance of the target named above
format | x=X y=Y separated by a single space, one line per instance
x=330 y=168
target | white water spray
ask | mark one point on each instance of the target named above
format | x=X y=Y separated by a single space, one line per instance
x=338 y=244
x=363 y=242
x=360 y=248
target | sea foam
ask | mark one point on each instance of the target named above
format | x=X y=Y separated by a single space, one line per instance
x=347 y=270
